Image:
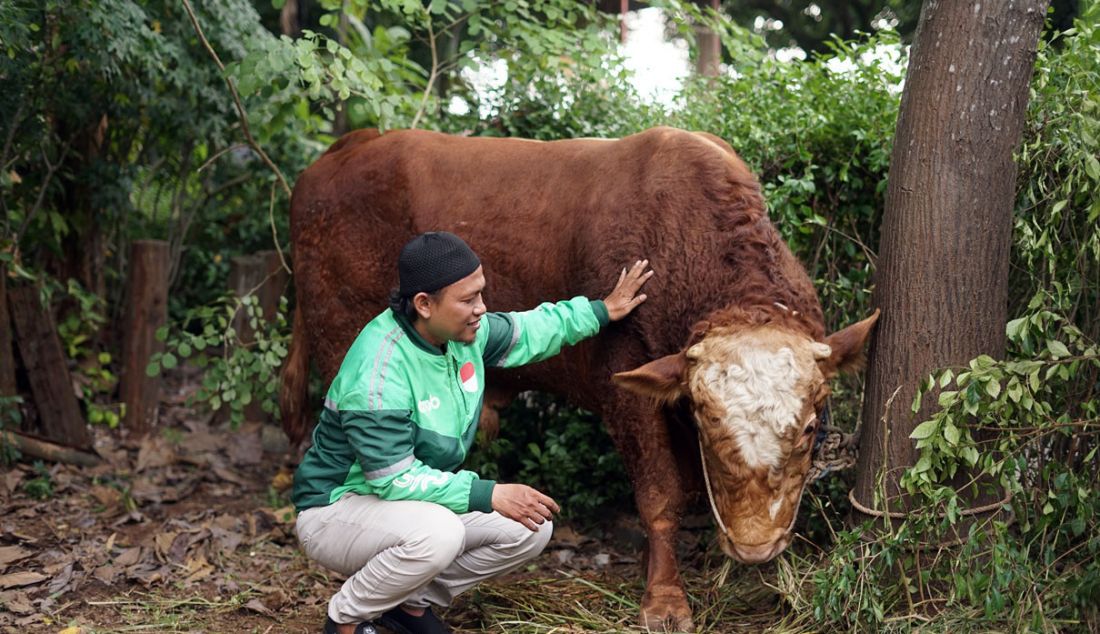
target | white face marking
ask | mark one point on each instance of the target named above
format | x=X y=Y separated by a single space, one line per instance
x=773 y=508
x=759 y=388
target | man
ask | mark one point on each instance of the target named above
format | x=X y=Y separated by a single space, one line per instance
x=379 y=494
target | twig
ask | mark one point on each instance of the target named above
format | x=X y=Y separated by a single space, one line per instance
x=51 y=170
x=243 y=116
x=219 y=153
x=431 y=76
x=4 y=153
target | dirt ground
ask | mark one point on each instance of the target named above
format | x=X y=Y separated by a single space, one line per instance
x=190 y=530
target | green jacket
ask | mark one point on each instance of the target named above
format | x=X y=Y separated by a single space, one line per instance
x=401 y=413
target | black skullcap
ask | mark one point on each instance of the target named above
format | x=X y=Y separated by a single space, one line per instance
x=433 y=260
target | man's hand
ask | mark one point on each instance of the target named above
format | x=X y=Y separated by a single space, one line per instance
x=523 y=504
x=625 y=297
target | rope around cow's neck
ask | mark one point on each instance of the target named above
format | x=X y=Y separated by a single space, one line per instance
x=836 y=450
x=706 y=479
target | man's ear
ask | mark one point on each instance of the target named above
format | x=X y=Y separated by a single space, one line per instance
x=661 y=379
x=847 y=347
x=422 y=302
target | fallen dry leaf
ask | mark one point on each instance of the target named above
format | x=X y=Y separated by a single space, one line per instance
x=258 y=606
x=246 y=444
x=197 y=568
x=19 y=579
x=61 y=580
x=9 y=554
x=12 y=479
x=107 y=574
x=229 y=475
x=129 y=557
x=155 y=452
x=16 y=602
x=109 y=497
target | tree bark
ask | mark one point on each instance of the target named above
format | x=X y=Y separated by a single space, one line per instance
x=710 y=48
x=7 y=353
x=148 y=311
x=47 y=372
x=48 y=450
x=942 y=274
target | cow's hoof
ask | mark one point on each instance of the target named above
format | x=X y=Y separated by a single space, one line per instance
x=666 y=611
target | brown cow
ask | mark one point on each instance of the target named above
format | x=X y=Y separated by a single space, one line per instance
x=730 y=343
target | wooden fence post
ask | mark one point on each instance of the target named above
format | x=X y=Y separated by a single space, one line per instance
x=47 y=372
x=261 y=274
x=148 y=311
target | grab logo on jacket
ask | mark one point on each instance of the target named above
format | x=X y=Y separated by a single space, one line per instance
x=421 y=481
x=428 y=404
x=468 y=377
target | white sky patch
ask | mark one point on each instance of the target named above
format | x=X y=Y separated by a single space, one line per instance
x=659 y=66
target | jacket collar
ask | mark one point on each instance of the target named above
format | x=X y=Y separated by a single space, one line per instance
x=414 y=335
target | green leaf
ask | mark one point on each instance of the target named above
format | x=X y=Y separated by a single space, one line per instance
x=1057 y=348
x=951 y=433
x=169 y=361
x=993 y=388
x=1013 y=328
x=924 y=430
x=1092 y=167
x=152 y=370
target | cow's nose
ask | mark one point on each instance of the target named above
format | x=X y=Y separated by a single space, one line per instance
x=755 y=553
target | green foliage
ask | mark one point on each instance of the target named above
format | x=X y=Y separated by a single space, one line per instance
x=560 y=450
x=39 y=487
x=78 y=329
x=237 y=371
x=11 y=416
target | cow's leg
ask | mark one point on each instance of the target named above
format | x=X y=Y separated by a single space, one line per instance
x=641 y=434
x=496 y=398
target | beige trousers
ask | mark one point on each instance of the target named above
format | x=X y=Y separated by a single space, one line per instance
x=411 y=553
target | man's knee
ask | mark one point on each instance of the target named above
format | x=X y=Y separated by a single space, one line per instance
x=438 y=541
x=538 y=540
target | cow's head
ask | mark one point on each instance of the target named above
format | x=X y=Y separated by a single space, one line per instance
x=755 y=393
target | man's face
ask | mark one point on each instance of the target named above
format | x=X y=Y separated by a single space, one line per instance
x=455 y=313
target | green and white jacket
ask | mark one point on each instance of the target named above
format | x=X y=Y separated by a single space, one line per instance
x=401 y=414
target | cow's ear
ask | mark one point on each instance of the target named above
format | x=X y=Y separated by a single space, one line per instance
x=660 y=379
x=846 y=347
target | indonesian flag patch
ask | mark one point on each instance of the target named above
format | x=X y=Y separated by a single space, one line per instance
x=468 y=376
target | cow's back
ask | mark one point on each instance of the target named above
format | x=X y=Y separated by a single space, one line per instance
x=549 y=219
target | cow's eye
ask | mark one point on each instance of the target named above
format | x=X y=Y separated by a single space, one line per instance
x=811 y=426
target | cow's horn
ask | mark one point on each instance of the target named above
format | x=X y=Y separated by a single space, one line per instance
x=821 y=350
x=695 y=351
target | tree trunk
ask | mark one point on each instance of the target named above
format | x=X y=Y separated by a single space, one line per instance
x=289 y=21
x=710 y=48
x=148 y=311
x=942 y=274
x=47 y=372
x=7 y=353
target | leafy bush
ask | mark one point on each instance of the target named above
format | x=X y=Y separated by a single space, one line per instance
x=560 y=450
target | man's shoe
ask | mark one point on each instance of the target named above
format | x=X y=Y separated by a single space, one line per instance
x=401 y=622
x=362 y=628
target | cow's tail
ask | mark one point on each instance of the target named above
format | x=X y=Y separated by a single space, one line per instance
x=294 y=392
